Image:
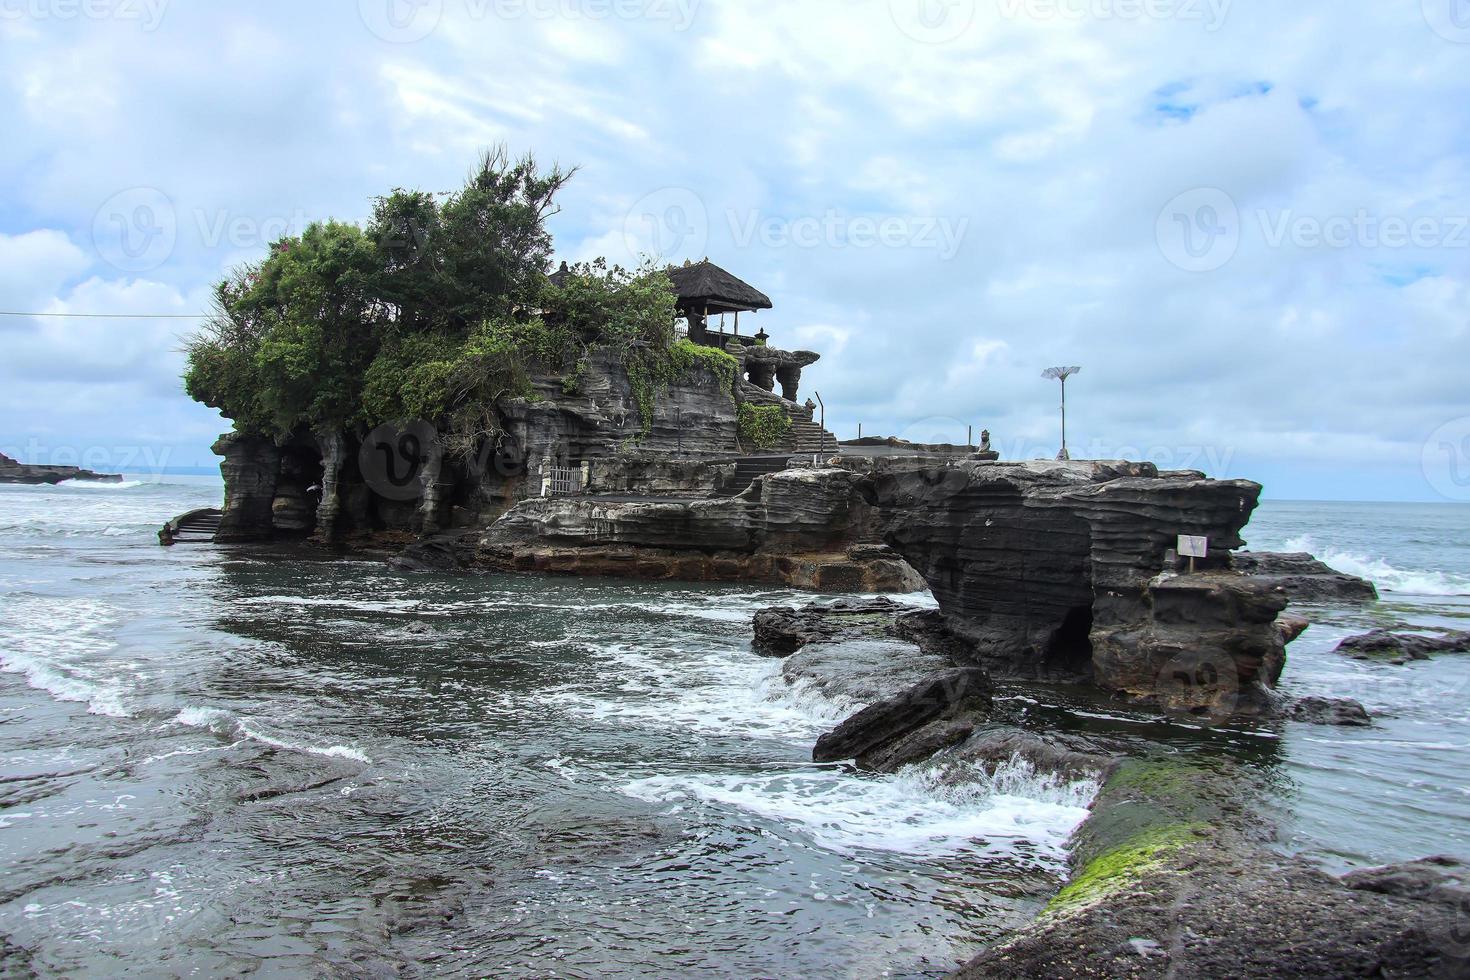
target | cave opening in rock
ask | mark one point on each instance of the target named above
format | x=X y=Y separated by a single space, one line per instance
x=1070 y=647
x=298 y=488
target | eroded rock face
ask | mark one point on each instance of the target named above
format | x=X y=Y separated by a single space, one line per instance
x=251 y=467
x=1057 y=570
x=1304 y=578
x=806 y=528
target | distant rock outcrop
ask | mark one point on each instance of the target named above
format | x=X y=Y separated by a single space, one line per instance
x=1400 y=648
x=1304 y=578
x=38 y=475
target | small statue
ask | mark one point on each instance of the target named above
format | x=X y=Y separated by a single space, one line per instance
x=810 y=405
x=984 y=452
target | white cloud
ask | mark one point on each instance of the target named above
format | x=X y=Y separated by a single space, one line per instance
x=1054 y=143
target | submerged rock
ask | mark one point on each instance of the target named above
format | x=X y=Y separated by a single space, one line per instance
x=782 y=630
x=1304 y=578
x=860 y=671
x=1343 y=712
x=1400 y=648
x=1441 y=879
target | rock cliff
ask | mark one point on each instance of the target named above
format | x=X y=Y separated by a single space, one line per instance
x=1059 y=570
x=807 y=528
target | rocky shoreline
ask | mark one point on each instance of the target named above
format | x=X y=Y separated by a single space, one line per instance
x=28 y=474
x=1172 y=874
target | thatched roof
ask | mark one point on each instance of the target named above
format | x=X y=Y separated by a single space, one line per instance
x=702 y=285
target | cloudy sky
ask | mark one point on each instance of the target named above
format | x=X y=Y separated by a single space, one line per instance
x=1247 y=220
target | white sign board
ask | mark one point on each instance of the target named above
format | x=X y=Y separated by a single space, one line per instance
x=1193 y=547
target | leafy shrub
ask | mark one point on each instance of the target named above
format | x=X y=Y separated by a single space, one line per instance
x=763 y=426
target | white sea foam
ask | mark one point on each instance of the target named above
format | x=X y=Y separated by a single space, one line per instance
x=224 y=723
x=60 y=647
x=1383 y=574
x=710 y=692
x=99 y=485
x=920 y=811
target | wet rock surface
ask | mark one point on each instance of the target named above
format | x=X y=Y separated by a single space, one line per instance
x=938 y=711
x=782 y=630
x=1400 y=647
x=1172 y=878
x=1304 y=578
x=861 y=671
x=1343 y=712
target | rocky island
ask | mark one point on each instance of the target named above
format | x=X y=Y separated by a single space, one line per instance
x=29 y=474
x=596 y=421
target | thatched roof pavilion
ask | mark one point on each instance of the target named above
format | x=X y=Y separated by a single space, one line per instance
x=706 y=288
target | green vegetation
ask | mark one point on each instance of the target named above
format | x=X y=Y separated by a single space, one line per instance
x=764 y=426
x=1121 y=866
x=438 y=309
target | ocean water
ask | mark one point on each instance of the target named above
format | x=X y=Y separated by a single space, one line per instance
x=228 y=760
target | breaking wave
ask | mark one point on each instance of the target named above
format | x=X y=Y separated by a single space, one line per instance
x=920 y=811
x=1383 y=574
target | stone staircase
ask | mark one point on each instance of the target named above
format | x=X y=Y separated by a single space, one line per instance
x=809 y=437
x=195 y=527
x=750 y=468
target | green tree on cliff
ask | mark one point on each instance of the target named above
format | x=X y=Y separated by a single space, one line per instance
x=438 y=310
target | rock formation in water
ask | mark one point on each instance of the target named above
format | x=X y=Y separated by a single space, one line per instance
x=1400 y=648
x=1304 y=578
x=37 y=475
x=1059 y=570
